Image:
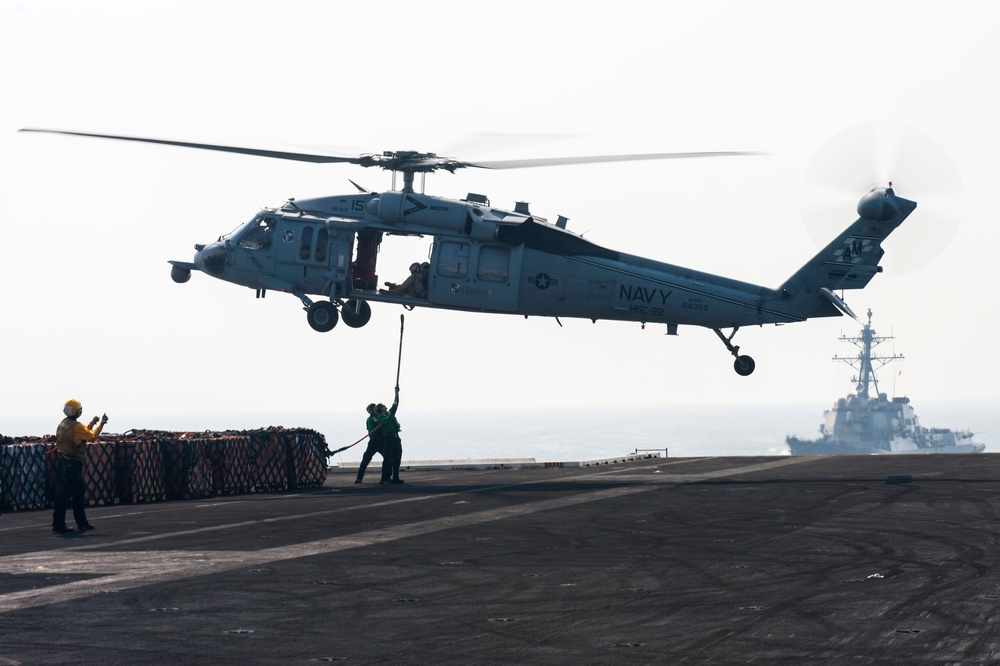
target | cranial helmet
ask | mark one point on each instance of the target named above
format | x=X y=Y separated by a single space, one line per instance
x=414 y=267
x=72 y=407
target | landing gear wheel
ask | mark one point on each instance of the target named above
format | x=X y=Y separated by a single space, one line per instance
x=364 y=313
x=744 y=365
x=322 y=316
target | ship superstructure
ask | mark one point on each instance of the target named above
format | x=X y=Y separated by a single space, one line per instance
x=864 y=423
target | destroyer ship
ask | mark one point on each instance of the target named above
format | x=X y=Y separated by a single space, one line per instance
x=866 y=424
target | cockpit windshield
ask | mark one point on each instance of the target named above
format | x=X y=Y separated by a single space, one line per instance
x=240 y=227
x=225 y=237
x=258 y=233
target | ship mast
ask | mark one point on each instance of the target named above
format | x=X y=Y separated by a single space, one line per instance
x=864 y=361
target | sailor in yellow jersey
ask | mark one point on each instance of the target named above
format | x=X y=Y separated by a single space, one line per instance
x=72 y=439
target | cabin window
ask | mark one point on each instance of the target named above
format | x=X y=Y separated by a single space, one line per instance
x=305 y=247
x=494 y=264
x=453 y=260
x=259 y=234
x=322 y=243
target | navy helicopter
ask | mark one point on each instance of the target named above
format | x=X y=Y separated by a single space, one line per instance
x=487 y=259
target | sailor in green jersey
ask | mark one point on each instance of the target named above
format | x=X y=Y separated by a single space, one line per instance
x=392 y=446
x=374 y=441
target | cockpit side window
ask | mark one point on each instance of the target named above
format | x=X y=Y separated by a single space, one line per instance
x=259 y=234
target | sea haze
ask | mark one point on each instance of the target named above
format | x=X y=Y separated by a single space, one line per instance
x=559 y=434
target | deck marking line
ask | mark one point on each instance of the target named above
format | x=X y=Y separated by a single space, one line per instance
x=117 y=571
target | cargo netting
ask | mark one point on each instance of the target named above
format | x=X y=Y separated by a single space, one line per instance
x=154 y=465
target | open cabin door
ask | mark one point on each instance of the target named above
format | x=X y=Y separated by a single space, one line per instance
x=469 y=274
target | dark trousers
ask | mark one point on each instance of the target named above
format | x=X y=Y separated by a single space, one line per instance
x=374 y=446
x=71 y=487
x=392 y=455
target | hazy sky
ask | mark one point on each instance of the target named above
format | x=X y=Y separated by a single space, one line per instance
x=90 y=310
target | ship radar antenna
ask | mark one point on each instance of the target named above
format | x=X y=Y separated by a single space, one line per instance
x=866 y=363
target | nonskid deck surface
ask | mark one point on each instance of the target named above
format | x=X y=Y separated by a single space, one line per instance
x=853 y=559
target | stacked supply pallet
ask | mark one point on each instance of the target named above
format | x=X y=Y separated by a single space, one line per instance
x=306 y=458
x=187 y=466
x=268 y=459
x=140 y=464
x=23 y=475
x=148 y=465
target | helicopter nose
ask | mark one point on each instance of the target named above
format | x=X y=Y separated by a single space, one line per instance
x=211 y=258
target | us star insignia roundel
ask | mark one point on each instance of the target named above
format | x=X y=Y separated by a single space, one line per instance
x=543 y=281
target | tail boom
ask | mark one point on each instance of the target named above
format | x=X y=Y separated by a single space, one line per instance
x=849 y=261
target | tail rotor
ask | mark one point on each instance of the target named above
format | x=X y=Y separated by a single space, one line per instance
x=881 y=154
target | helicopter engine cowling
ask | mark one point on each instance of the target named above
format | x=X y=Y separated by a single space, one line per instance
x=431 y=212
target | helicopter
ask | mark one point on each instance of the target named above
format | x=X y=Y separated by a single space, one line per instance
x=487 y=259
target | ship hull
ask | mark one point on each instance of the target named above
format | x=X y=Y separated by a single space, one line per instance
x=831 y=446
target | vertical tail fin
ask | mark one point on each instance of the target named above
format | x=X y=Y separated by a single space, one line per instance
x=849 y=261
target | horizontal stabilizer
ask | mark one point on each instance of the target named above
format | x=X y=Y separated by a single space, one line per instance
x=838 y=302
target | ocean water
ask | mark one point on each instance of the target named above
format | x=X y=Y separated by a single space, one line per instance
x=563 y=434
x=593 y=434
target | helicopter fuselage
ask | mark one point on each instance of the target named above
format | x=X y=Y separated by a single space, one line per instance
x=486 y=259
x=482 y=259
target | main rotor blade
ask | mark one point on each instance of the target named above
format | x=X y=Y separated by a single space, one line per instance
x=596 y=159
x=411 y=161
x=298 y=157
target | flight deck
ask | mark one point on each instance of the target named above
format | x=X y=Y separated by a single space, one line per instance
x=804 y=560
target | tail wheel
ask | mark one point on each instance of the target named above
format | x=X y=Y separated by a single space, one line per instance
x=744 y=365
x=356 y=313
x=322 y=316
